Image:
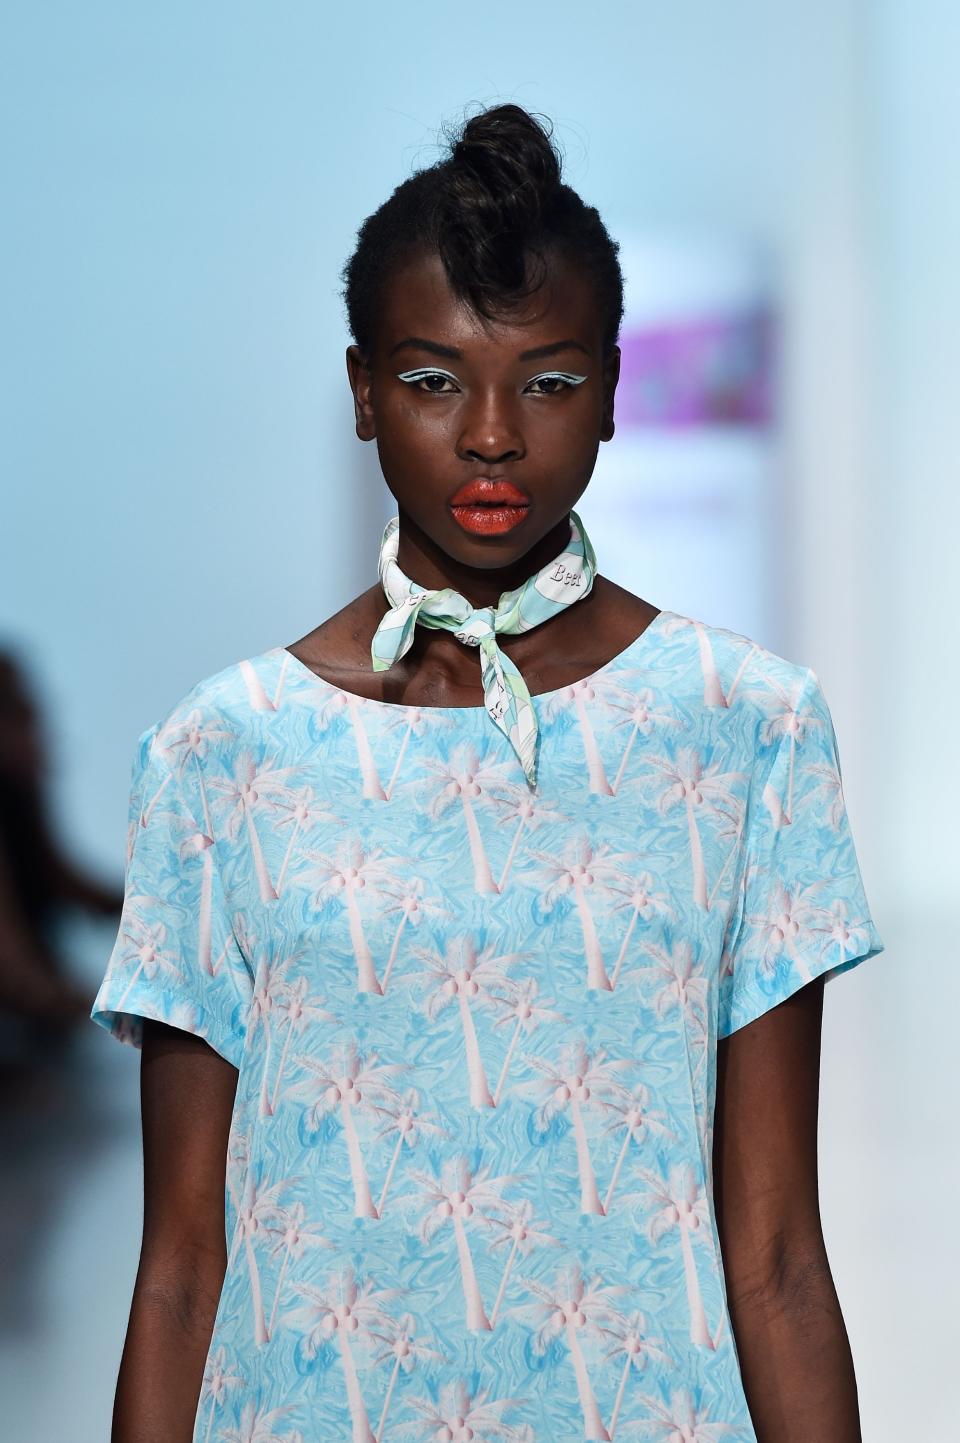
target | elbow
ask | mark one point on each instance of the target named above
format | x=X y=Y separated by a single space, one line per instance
x=789 y=1271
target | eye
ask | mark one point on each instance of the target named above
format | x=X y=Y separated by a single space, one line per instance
x=412 y=378
x=566 y=380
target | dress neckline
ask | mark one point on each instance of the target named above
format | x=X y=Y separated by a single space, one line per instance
x=629 y=653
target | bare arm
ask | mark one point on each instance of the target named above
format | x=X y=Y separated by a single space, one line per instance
x=187 y=1093
x=794 y=1352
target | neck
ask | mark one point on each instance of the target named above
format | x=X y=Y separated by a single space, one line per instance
x=420 y=558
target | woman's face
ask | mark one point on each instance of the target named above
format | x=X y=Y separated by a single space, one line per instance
x=449 y=397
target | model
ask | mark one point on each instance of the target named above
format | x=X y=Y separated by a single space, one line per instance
x=475 y=942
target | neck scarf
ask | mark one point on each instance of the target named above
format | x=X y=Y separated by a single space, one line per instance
x=564 y=580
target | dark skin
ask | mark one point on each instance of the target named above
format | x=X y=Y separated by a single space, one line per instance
x=790 y=1336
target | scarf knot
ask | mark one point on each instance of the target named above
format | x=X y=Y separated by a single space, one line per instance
x=564 y=580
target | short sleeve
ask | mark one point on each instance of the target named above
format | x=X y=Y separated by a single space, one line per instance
x=176 y=958
x=801 y=910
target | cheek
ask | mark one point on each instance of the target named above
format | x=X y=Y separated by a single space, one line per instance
x=565 y=436
x=404 y=426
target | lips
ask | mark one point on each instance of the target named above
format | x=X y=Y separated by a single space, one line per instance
x=489 y=491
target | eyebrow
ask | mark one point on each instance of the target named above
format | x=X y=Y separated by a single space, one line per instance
x=418 y=343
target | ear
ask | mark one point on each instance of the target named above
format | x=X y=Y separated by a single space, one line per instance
x=361 y=384
x=611 y=375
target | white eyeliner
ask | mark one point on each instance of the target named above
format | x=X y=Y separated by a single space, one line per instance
x=417 y=375
x=424 y=371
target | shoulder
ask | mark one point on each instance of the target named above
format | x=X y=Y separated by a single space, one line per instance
x=222 y=707
x=725 y=668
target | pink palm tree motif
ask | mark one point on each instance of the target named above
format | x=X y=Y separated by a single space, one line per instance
x=576 y=699
x=195 y=842
x=133 y=827
x=467 y=781
x=682 y=1204
x=249 y=790
x=409 y=1125
x=292 y=1241
x=334 y=703
x=237 y=1162
x=729 y=829
x=217 y=1382
x=145 y=943
x=298 y=1009
x=348 y=1312
x=682 y=1420
x=467 y=978
x=605 y=690
x=635 y=1117
x=415 y=721
x=794 y=724
x=187 y=1016
x=188 y=744
x=698 y=1048
x=520 y=1011
x=713 y=694
x=147 y=812
x=580 y=1080
x=793 y=918
x=528 y=811
x=575 y=1309
x=689 y=784
x=826 y=781
x=347 y=1084
x=838 y=930
x=256 y=691
x=270 y=986
x=682 y=982
x=749 y=652
x=639 y=897
x=404 y=1349
x=639 y=715
x=460 y=1415
x=258 y=1425
x=256 y=1215
x=517 y=1231
x=303 y=812
x=356 y=708
x=413 y=908
x=635 y=1346
x=349 y=872
x=459 y=1197
x=712 y=687
x=199 y=844
x=580 y=869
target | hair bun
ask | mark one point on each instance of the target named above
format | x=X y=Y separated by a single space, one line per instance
x=504 y=177
x=506 y=149
x=496 y=211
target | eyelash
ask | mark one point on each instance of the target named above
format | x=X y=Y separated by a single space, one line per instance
x=570 y=378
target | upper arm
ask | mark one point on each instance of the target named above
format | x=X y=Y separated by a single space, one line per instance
x=187 y=1093
x=177 y=958
x=765 y=1144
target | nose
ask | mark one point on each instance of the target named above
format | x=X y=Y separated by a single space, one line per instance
x=490 y=432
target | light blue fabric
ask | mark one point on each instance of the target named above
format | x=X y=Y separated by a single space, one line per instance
x=469 y=1168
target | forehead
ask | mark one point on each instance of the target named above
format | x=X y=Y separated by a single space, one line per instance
x=417 y=301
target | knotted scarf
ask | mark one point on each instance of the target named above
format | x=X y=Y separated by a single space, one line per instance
x=565 y=579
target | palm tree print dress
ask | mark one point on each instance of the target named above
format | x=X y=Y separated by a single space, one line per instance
x=468 y=1184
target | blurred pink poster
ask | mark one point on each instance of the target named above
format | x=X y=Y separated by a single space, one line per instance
x=680 y=506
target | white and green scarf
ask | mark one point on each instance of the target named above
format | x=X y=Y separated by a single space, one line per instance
x=562 y=581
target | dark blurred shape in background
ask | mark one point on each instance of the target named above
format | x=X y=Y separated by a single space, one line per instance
x=41 y=1004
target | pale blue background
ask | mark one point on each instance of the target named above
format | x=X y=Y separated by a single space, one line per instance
x=180 y=186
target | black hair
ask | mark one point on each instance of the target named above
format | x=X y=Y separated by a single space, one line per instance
x=492 y=209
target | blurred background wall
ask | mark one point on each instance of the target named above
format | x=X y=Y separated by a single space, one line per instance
x=183 y=487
